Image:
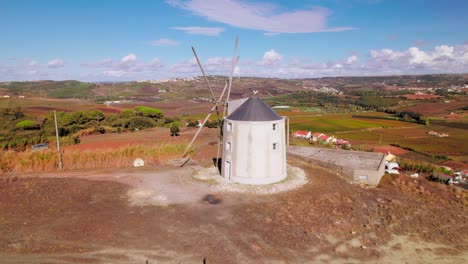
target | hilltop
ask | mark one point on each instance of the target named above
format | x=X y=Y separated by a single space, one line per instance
x=188 y=88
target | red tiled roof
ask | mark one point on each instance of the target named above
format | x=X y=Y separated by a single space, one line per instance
x=301 y=132
x=324 y=137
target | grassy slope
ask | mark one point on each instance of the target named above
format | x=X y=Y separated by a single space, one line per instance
x=55 y=89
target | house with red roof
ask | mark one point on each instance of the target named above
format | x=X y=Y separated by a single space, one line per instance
x=325 y=138
x=302 y=134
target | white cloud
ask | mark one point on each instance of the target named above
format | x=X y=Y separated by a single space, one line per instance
x=386 y=55
x=439 y=59
x=56 y=63
x=271 y=58
x=164 y=42
x=418 y=56
x=206 y=31
x=260 y=16
x=351 y=59
x=127 y=66
x=129 y=58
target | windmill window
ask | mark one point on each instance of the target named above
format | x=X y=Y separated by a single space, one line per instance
x=275 y=146
x=275 y=126
x=229 y=127
x=228 y=145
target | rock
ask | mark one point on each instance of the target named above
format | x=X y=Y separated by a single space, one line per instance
x=212 y=199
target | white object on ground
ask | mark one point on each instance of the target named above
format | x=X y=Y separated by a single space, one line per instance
x=138 y=163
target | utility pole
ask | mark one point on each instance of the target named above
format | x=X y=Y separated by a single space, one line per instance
x=58 y=142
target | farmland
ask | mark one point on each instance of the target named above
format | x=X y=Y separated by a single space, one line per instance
x=332 y=123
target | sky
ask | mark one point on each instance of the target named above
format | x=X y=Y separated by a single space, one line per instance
x=112 y=40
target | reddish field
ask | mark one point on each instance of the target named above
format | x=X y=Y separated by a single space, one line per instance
x=38 y=110
x=420 y=96
x=394 y=150
x=204 y=146
x=437 y=108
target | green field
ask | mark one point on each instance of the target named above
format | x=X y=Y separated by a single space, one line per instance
x=339 y=122
x=366 y=132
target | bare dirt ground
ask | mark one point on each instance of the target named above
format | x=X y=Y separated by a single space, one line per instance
x=111 y=216
x=392 y=149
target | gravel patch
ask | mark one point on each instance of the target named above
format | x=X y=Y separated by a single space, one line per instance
x=142 y=197
x=295 y=179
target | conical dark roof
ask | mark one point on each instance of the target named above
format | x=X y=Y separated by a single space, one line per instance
x=254 y=109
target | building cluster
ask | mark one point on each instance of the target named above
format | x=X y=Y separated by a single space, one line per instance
x=391 y=164
x=459 y=177
x=169 y=80
x=205 y=99
x=436 y=134
x=321 y=138
x=452 y=89
x=8 y=96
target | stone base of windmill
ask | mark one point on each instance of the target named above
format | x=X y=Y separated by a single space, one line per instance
x=296 y=178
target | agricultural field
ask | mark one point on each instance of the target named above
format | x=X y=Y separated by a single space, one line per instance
x=371 y=130
x=439 y=108
x=38 y=106
x=332 y=123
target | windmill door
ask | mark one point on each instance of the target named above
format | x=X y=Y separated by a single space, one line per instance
x=227 y=170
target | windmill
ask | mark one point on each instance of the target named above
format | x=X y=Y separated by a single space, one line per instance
x=253 y=137
x=216 y=102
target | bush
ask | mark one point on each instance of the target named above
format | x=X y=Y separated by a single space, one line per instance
x=27 y=124
x=140 y=122
x=127 y=113
x=149 y=112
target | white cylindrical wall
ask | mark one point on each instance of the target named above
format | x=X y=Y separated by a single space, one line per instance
x=254 y=152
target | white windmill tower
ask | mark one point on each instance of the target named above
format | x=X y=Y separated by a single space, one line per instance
x=254 y=144
x=254 y=140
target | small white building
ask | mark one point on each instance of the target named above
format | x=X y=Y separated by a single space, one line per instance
x=254 y=144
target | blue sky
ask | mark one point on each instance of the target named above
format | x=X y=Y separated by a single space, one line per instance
x=110 y=40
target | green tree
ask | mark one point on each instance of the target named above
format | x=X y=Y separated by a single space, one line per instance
x=126 y=113
x=175 y=129
x=149 y=112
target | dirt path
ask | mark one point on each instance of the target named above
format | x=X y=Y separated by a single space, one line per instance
x=89 y=217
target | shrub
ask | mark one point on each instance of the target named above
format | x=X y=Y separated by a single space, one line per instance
x=127 y=113
x=27 y=124
x=149 y=112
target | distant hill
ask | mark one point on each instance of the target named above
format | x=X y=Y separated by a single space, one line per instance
x=54 y=89
x=244 y=86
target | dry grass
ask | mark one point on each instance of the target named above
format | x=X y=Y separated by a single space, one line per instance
x=42 y=161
